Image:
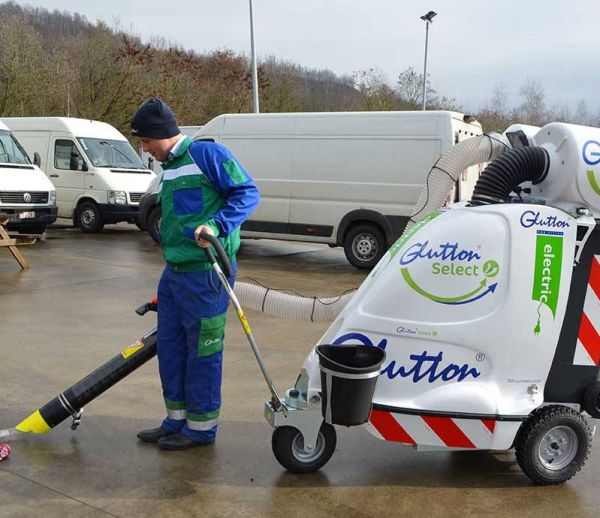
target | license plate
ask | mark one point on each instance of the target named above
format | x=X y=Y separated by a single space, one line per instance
x=27 y=215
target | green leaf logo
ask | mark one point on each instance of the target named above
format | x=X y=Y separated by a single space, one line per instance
x=491 y=268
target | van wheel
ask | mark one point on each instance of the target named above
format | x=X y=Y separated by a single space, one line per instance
x=153 y=223
x=89 y=219
x=364 y=245
x=553 y=444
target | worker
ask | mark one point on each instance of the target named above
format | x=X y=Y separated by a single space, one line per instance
x=204 y=189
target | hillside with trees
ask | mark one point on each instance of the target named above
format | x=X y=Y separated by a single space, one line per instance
x=59 y=64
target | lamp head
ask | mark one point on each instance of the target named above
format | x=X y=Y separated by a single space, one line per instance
x=429 y=16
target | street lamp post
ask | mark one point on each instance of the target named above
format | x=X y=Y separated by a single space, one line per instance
x=254 y=71
x=427 y=18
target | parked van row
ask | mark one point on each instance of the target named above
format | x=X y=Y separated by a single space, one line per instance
x=345 y=179
x=96 y=173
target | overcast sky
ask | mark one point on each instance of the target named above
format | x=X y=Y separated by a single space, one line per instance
x=474 y=45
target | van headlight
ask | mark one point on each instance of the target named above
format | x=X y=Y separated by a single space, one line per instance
x=117 y=197
x=52 y=198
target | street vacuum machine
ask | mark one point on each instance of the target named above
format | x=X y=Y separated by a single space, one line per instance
x=479 y=328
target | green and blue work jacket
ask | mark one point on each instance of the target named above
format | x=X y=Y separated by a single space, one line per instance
x=203 y=184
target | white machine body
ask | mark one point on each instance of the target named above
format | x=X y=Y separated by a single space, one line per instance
x=469 y=305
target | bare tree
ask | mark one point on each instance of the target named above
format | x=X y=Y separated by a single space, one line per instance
x=21 y=66
x=283 y=92
x=107 y=78
x=559 y=113
x=498 y=103
x=375 y=94
x=409 y=88
x=582 y=114
x=495 y=116
x=533 y=108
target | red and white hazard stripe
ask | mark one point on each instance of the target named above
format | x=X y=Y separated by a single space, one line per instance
x=587 y=351
x=422 y=430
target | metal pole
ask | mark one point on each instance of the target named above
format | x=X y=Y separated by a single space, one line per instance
x=425 y=66
x=254 y=71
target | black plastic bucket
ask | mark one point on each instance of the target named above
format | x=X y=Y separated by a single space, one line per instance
x=349 y=374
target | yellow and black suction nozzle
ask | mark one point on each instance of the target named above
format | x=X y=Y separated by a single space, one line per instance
x=70 y=402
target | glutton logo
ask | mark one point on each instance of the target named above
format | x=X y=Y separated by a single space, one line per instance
x=591 y=156
x=532 y=218
x=591 y=152
x=422 y=366
x=451 y=261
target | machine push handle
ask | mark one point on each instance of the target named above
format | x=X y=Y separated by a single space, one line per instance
x=220 y=252
x=278 y=404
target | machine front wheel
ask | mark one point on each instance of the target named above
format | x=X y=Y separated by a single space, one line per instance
x=288 y=447
x=553 y=444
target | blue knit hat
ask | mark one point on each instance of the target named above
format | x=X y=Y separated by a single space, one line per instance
x=154 y=120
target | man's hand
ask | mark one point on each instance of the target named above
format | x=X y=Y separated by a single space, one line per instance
x=198 y=231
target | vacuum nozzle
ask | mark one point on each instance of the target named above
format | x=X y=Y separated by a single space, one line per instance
x=34 y=423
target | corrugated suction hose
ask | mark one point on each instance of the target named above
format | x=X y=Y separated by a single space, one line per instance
x=505 y=173
x=286 y=304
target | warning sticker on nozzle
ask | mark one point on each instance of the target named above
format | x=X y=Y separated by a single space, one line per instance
x=132 y=349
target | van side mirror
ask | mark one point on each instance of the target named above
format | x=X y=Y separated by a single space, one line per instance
x=37 y=160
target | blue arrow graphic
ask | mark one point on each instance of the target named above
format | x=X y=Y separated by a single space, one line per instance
x=491 y=289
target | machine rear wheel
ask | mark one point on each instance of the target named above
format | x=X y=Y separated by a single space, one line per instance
x=553 y=444
x=288 y=447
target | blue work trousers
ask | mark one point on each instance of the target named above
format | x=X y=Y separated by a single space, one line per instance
x=192 y=309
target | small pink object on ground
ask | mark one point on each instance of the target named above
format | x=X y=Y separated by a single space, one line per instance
x=4 y=451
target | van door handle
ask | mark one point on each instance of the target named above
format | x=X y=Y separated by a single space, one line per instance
x=53 y=176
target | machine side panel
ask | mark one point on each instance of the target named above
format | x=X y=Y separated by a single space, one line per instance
x=567 y=381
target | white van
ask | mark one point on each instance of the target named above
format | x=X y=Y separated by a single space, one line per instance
x=26 y=194
x=99 y=178
x=346 y=179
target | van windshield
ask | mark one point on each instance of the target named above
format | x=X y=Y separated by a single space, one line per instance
x=111 y=153
x=10 y=150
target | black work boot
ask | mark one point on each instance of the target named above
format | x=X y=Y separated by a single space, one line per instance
x=178 y=441
x=153 y=435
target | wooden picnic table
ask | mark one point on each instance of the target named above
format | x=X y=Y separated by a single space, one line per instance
x=12 y=242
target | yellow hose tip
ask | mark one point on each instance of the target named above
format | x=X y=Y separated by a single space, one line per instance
x=34 y=423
